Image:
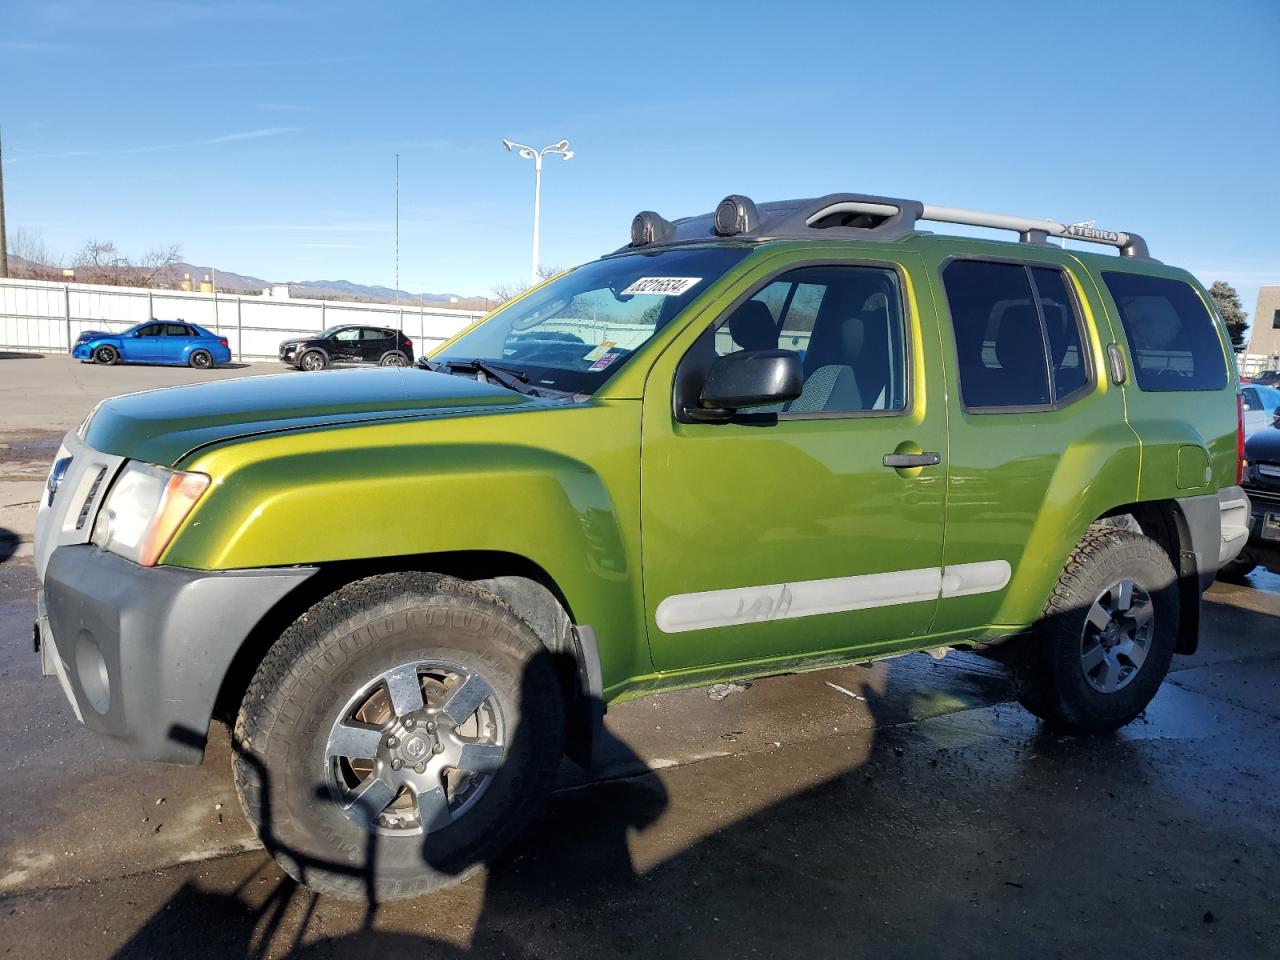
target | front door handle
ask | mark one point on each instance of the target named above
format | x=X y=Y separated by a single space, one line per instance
x=899 y=460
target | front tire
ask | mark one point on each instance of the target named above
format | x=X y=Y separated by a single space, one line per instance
x=1106 y=639
x=397 y=735
x=201 y=359
x=106 y=355
x=312 y=361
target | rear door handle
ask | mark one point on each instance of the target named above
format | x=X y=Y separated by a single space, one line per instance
x=911 y=459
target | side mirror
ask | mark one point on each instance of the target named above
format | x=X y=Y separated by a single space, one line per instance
x=749 y=378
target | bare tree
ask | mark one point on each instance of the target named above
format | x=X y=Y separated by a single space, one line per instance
x=31 y=257
x=157 y=261
x=509 y=291
x=99 y=261
x=29 y=245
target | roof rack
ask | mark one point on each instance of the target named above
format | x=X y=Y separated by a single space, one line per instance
x=858 y=216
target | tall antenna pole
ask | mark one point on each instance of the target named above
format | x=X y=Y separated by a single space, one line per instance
x=4 y=239
x=397 y=228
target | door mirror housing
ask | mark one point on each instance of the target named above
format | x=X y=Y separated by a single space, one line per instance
x=748 y=378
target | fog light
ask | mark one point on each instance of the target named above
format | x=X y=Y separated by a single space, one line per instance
x=91 y=668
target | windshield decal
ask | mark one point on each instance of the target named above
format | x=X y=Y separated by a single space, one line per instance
x=604 y=361
x=662 y=286
x=597 y=352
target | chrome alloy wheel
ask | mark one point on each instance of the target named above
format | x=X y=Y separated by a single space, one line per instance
x=416 y=748
x=1117 y=636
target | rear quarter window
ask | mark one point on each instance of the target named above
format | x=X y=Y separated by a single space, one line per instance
x=1172 y=336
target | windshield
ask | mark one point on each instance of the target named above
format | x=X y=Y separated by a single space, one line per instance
x=332 y=330
x=579 y=329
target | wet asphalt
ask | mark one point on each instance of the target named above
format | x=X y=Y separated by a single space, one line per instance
x=903 y=809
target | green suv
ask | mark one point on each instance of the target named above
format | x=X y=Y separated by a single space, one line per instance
x=767 y=439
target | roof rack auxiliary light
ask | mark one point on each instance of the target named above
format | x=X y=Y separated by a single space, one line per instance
x=859 y=216
x=736 y=214
x=648 y=227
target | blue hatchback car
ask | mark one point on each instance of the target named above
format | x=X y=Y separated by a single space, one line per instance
x=156 y=341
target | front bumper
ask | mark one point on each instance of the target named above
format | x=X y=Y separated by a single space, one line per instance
x=141 y=652
x=1264 y=528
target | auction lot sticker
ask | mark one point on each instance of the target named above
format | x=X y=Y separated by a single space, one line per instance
x=604 y=362
x=662 y=286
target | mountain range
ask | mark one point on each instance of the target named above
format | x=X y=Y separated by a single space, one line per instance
x=229 y=282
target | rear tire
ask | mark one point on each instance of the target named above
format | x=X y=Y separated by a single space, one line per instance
x=393 y=358
x=306 y=796
x=108 y=356
x=1098 y=654
x=201 y=359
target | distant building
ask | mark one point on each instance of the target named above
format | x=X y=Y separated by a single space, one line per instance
x=1264 y=336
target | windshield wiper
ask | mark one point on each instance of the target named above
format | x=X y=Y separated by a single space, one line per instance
x=511 y=379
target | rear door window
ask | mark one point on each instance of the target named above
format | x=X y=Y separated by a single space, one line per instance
x=1062 y=326
x=1172 y=336
x=1017 y=333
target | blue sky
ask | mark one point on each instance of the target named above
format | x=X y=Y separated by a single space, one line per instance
x=261 y=136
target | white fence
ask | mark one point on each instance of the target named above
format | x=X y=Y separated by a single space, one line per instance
x=41 y=316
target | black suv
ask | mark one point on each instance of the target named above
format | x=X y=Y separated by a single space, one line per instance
x=349 y=343
x=1262 y=483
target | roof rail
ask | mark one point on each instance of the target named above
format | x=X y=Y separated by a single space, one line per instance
x=1030 y=230
x=859 y=216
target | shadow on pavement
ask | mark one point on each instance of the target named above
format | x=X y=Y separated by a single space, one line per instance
x=979 y=835
x=588 y=832
x=8 y=544
x=10 y=355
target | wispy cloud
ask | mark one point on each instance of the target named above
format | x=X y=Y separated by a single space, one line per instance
x=365 y=227
x=151 y=13
x=157 y=147
x=246 y=64
x=31 y=46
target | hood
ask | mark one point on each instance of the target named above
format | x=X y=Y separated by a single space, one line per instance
x=163 y=426
x=1263 y=445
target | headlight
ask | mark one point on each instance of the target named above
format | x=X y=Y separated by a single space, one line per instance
x=145 y=508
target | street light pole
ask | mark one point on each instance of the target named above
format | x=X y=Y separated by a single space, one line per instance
x=537 y=216
x=528 y=153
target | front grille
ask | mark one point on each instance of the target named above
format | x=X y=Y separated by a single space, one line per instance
x=1258 y=495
